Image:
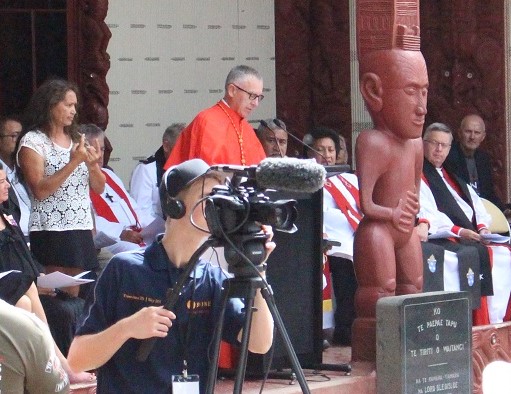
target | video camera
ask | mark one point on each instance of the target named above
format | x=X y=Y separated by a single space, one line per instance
x=235 y=211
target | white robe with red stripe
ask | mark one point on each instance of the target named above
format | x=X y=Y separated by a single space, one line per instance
x=335 y=224
x=123 y=215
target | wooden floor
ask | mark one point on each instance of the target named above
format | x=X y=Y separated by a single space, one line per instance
x=362 y=379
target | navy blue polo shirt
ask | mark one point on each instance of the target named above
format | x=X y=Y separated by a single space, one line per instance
x=133 y=280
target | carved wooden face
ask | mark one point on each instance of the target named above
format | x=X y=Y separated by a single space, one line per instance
x=404 y=94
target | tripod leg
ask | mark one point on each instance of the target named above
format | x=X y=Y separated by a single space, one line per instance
x=270 y=301
x=240 y=371
x=217 y=337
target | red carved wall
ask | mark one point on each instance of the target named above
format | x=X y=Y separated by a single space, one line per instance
x=91 y=61
x=312 y=66
x=463 y=43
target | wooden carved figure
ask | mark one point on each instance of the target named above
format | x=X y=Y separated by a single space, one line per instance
x=394 y=85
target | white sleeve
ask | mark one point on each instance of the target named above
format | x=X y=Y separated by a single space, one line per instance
x=112 y=229
x=438 y=221
x=482 y=215
x=142 y=184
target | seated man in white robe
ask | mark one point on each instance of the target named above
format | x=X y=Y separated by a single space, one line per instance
x=146 y=177
x=119 y=224
x=454 y=209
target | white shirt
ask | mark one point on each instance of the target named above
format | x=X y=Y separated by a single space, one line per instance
x=123 y=214
x=439 y=221
x=68 y=208
x=144 y=189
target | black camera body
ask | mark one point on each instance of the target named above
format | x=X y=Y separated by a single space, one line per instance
x=235 y=212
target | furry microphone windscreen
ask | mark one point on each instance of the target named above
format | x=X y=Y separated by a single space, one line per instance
x=290 y=174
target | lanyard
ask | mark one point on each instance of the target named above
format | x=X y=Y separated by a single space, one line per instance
x=185 y=328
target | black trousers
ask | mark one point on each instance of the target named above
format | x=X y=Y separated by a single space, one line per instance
x=344 y=284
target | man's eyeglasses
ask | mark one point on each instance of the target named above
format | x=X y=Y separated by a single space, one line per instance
x=251 y=96
x=13 y=136
x=437 y=144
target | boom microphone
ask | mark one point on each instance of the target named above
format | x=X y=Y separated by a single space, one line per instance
x=290 y=175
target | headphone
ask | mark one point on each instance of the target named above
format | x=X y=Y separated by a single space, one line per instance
x=174 y=180
x=171 y=207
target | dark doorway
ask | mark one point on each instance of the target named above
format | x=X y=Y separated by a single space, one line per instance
x=33 y=47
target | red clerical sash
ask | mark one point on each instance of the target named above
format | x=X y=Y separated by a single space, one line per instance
x=351 y=213
x=103 y=209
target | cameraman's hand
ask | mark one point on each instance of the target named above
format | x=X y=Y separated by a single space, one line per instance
x=269 y=245
x=152 y=321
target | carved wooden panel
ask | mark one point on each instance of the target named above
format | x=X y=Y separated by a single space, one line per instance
x=489 y=343
x=463 y=44
x=92 y=61
x=312 y=66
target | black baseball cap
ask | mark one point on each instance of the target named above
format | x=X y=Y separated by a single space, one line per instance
x=177 y=177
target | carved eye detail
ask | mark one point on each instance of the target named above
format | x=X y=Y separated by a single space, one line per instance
x=410 y=90
x=470 y=75
x=447 y=73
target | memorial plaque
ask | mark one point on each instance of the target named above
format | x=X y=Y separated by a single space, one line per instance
x=424 y=343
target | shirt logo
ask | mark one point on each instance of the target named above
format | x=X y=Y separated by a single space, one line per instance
x=198 y=307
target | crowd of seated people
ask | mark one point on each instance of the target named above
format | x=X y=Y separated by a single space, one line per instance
x=18 y=286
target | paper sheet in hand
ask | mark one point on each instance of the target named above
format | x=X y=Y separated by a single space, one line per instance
x=102 y=240
x=149 y=233
x=442 y=234
x=58 y=279
x=5 y=273
x=497 y=238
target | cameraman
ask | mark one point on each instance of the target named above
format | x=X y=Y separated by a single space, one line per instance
x=131 y=291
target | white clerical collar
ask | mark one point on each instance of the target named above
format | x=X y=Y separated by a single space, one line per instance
x=225 y=102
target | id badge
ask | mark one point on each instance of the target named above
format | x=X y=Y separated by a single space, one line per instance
x=185 y=385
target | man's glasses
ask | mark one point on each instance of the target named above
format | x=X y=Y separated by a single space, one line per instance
x=251 y=96
x=437 y=144
x=13 y=136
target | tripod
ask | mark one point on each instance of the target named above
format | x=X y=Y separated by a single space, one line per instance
x=246 y=288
